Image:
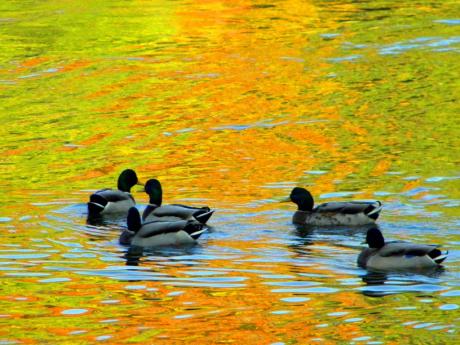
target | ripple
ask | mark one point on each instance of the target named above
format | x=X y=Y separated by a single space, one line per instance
x=449 y=307
x=281 y=312
x=213 y=285
x=110 y=301
x=345 y=58
x=306 y=290
x=78 y=332
x=295 y=299
x=24 y=256
x=293 y=283
x=423 y=325
x=338 y=194
x=365 y=338
x=448 y=21
x=184 y=316
x=451 y=293
x=74 y=311
x=103 y=337
x=54 y=280
x=27 y=274
x=338 y=313
x=419 y=43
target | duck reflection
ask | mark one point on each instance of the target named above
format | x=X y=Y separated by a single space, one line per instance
x=383 y=283
x=134 y=255
x=307 y=235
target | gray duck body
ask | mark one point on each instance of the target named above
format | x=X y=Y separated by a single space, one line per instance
x=397 y=255
x=351 y=213
x=114 y=201
x=156 y=212
x=165 y=233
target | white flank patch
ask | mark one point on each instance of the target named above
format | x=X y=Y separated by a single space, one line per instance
x=118 y=207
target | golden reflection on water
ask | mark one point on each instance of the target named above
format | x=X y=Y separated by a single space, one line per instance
x=230 y=104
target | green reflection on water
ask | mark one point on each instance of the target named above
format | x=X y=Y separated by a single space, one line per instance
x=219 y=100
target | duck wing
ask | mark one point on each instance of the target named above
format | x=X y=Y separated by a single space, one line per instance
x=174 y=211
x=158 y=228
x=206 y=208
x=111 y=195
x=350 y=207
x=191 y=227
x=410 y=249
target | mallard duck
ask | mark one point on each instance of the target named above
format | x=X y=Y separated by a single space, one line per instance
x=397 y=255
x=332 y=213
x=110 y=201
x=154 y=234
x=155 y=211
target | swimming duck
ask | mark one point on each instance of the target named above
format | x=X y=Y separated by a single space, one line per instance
x=332 y=213
x=109 y=201
x=397 y=255
x=155 y=211
x=154 y=234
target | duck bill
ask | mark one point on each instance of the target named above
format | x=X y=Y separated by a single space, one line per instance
x=285 y=200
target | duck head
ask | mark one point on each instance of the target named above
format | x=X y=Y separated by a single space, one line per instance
x=153 y=189
x=134 y=220
x=302 y=198
x=127 y=180
x=374 y=238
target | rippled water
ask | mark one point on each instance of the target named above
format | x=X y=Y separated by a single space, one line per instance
x=229 y=104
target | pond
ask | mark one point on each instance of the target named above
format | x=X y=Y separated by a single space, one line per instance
x=231 y=105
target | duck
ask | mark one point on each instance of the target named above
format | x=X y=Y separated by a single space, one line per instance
x=349 y=213
x=114 y=201
x=397 y=255
x=154 y=234
x=155 y=211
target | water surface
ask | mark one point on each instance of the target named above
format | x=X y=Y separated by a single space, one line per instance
x=229 y=104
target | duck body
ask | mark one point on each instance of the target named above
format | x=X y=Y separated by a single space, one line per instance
x=351 y=213
x=398 y=255
x=156 y=212
x=176 y=212
x=109 y=201
x=164 y=233
x=113 y=201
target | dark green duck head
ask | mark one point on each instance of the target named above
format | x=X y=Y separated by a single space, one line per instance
x=153 y=189
x=134 y=220
x=374 y=238
x=127 y=180
x=302 y=198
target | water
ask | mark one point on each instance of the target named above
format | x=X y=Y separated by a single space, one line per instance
x=229 y=105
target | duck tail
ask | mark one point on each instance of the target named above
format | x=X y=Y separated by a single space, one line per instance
x=203 y=215
x=373 y=210
x=437 y=256
x=194 y=229
x=96 y=204
x=195 y=235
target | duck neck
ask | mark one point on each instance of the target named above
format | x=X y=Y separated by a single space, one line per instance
x=305 y=205
x=375 y=239
x=134 y=222
x=156 y=198
x=123 y=186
